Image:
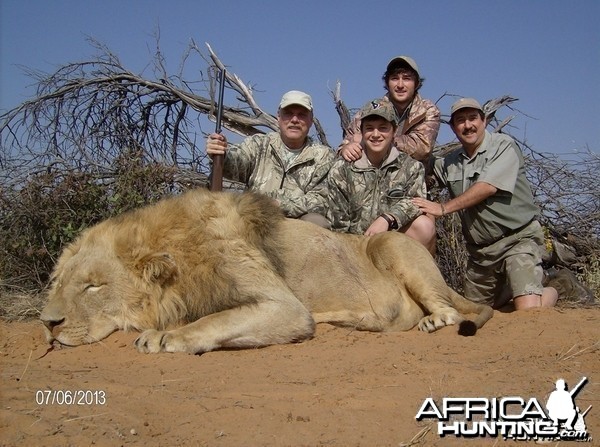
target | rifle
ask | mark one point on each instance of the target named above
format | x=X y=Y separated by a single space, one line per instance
x=216 y=176
x=577 y=387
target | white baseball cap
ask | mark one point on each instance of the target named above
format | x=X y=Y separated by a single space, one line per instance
x=296 y=97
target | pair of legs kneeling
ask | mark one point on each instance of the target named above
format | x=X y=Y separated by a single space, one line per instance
x=548 y=298
x=422 y=229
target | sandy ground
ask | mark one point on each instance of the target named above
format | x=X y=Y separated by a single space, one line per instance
x=342 y=388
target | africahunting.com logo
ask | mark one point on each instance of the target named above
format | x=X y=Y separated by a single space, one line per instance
x=511 y=417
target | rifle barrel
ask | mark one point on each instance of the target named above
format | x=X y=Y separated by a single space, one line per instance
x=577 y=387
x=216 y=178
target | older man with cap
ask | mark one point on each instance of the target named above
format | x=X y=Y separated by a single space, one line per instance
x=373 y=194
x=488 y=188
x=287 y=166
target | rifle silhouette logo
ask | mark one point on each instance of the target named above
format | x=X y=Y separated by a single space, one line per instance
x=562 y=408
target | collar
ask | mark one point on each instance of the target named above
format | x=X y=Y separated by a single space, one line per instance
x=364 y=163
x=480 y=150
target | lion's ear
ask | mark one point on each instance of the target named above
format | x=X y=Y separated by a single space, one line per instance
x=157 y=267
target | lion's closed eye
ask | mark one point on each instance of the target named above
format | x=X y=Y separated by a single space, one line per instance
x=92 y=288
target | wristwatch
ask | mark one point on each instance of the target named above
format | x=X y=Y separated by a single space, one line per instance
x=391 y=220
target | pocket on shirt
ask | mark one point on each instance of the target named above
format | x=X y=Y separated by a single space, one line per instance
x=456 y=183
x=396 y=193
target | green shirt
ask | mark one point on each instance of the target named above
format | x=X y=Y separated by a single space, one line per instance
x=499 y=162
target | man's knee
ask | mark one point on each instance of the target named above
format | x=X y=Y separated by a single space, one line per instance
x=421 y=229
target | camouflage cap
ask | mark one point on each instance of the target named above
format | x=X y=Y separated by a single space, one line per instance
x=296 y=97
x=403 y=60
x=465 y=103
x=380 y=107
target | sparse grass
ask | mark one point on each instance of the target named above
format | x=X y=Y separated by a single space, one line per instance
x=574 y=351
x=419 y=438
x=20 y=306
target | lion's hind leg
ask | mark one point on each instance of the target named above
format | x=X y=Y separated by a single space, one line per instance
x=421 y=283
x=360 y=321
x=453 y=312
x=440 y=318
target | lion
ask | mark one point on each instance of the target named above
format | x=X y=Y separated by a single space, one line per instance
x=203 y=271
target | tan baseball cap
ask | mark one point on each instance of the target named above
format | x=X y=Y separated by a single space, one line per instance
x=296 y=97
x=465 y=103
x=403 y=60
x=379 y=107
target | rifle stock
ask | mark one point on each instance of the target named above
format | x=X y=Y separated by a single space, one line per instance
x=216 y=176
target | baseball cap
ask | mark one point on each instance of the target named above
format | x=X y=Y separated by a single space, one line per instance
x=465 y=103
x=379 y=107
x=296 y=97
x=403 y=60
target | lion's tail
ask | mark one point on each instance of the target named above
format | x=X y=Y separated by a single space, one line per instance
x=464 y=306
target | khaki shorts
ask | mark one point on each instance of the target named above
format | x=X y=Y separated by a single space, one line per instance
x=510 y=267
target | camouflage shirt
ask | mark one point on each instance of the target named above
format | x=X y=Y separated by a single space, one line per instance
x=300 y=187
x=417 y=133
x=360 y=192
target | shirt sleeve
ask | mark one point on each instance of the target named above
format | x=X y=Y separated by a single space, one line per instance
x=240 y=159
x=339 y=202
x=502 y=166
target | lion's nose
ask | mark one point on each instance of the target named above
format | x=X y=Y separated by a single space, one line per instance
x=52 y=316
x=51 y=323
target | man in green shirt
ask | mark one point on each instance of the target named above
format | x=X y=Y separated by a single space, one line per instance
x=487 y=185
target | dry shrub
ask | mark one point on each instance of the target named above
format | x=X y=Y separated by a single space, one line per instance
x=53 y=207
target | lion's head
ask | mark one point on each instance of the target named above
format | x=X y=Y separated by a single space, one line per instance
x=98 y=288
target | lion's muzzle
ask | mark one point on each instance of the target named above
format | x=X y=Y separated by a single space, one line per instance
x=51 y=327
x=53 y=319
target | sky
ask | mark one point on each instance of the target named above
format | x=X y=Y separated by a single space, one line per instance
x=546 y=53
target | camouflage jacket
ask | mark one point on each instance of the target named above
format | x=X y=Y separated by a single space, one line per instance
x=360 y=192
x=417 y=136
x=300 y=189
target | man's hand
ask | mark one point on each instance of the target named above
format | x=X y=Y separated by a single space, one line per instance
x=477 y=193
x=429 y=207
x=350 y=150
x=216 y=144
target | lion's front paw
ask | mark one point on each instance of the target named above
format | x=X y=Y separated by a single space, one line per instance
x=439 y=319
x=153 y=341
x=150 y=341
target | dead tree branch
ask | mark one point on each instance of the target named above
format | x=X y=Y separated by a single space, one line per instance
x=86 y=114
